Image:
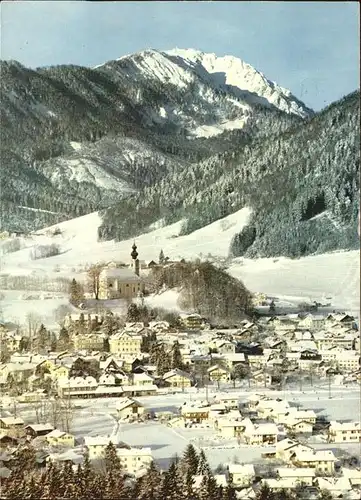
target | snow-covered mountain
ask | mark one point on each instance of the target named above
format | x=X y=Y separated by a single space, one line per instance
x=206 y=78
x=171 y=135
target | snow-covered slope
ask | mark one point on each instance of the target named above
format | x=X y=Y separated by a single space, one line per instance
x=332 y=277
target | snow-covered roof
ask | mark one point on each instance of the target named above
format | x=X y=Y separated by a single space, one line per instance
x=12 y=420
x=80 y=382
x=296 y=472
x=315 y=456
x=56 y=433
x=40 y=427
x=243 y=469
x=344 y=426
x=121 y=274
x=125 y=402
x=177 y=372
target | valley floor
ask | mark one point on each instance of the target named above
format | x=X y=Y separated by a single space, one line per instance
x=97 y=417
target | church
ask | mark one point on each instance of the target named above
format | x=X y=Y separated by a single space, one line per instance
x=116 y=283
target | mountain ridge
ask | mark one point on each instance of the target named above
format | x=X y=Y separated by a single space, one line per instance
x=171 y=135
x=46 y=110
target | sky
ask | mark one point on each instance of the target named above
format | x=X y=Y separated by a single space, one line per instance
x=311 y=48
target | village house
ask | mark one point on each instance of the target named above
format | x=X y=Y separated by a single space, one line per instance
x=178 y=378
x=353 y=474
x=230 y=427
x=218 y=374
x=32 y=396
x=77 y=386
x=338 y=487
x=327 y=340
x=272 y=408
x=286 y=448
x=88 y=341
x=125 y=343
x=134 y=460
x=59 y=438
x=11 y=423
x=222 y=346
x=7 y=441
x=96 y=445
x=323 y=461
x=60 y=372
x=230 y=402
x=280 y=484
x=193 y=321
x=348 y=361
x=109 y=379
x=283 y=324
x=299 y=416
x=159 y=326
x=253 y=401
x=69 y=456
x=36 y=430
x=260 y=434
x=296 y=426
x=340 y=432
x=196 y=413
x=312 y=321
x=234 y=359
x=305 y=475
x=341 y=319
x=260 y=379
x=111 y=364
x=241 y=475
x=142 y=378
x=20 y=372
x=129 y=408
x=256 y=361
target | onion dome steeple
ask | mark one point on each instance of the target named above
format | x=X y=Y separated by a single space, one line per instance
x=134 y=253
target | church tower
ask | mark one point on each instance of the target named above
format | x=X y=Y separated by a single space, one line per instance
x=135 y=260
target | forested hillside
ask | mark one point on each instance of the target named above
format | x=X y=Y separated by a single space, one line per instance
x=75 y=139
x=287 y=178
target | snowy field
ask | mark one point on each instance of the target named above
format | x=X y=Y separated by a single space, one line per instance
x=97 y=417
x=326 y=278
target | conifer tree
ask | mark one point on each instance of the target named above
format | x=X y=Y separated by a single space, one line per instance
x=188 y=467
x=229 y=493
x=176 y=356
x=76 y=293
x=209 y=489
x=265 y=493
x=111 y=459
x=133 y=314
x=161 y=257
x=64 y=339
x=189 y=462
x=203 y=466
x=42 y=338
x=150 y=484
x=172 y=485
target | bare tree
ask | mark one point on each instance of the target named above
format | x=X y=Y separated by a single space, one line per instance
x=94 y=279
x=33 y=321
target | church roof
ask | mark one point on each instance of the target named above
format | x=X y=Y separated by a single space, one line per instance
x=122 y=274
